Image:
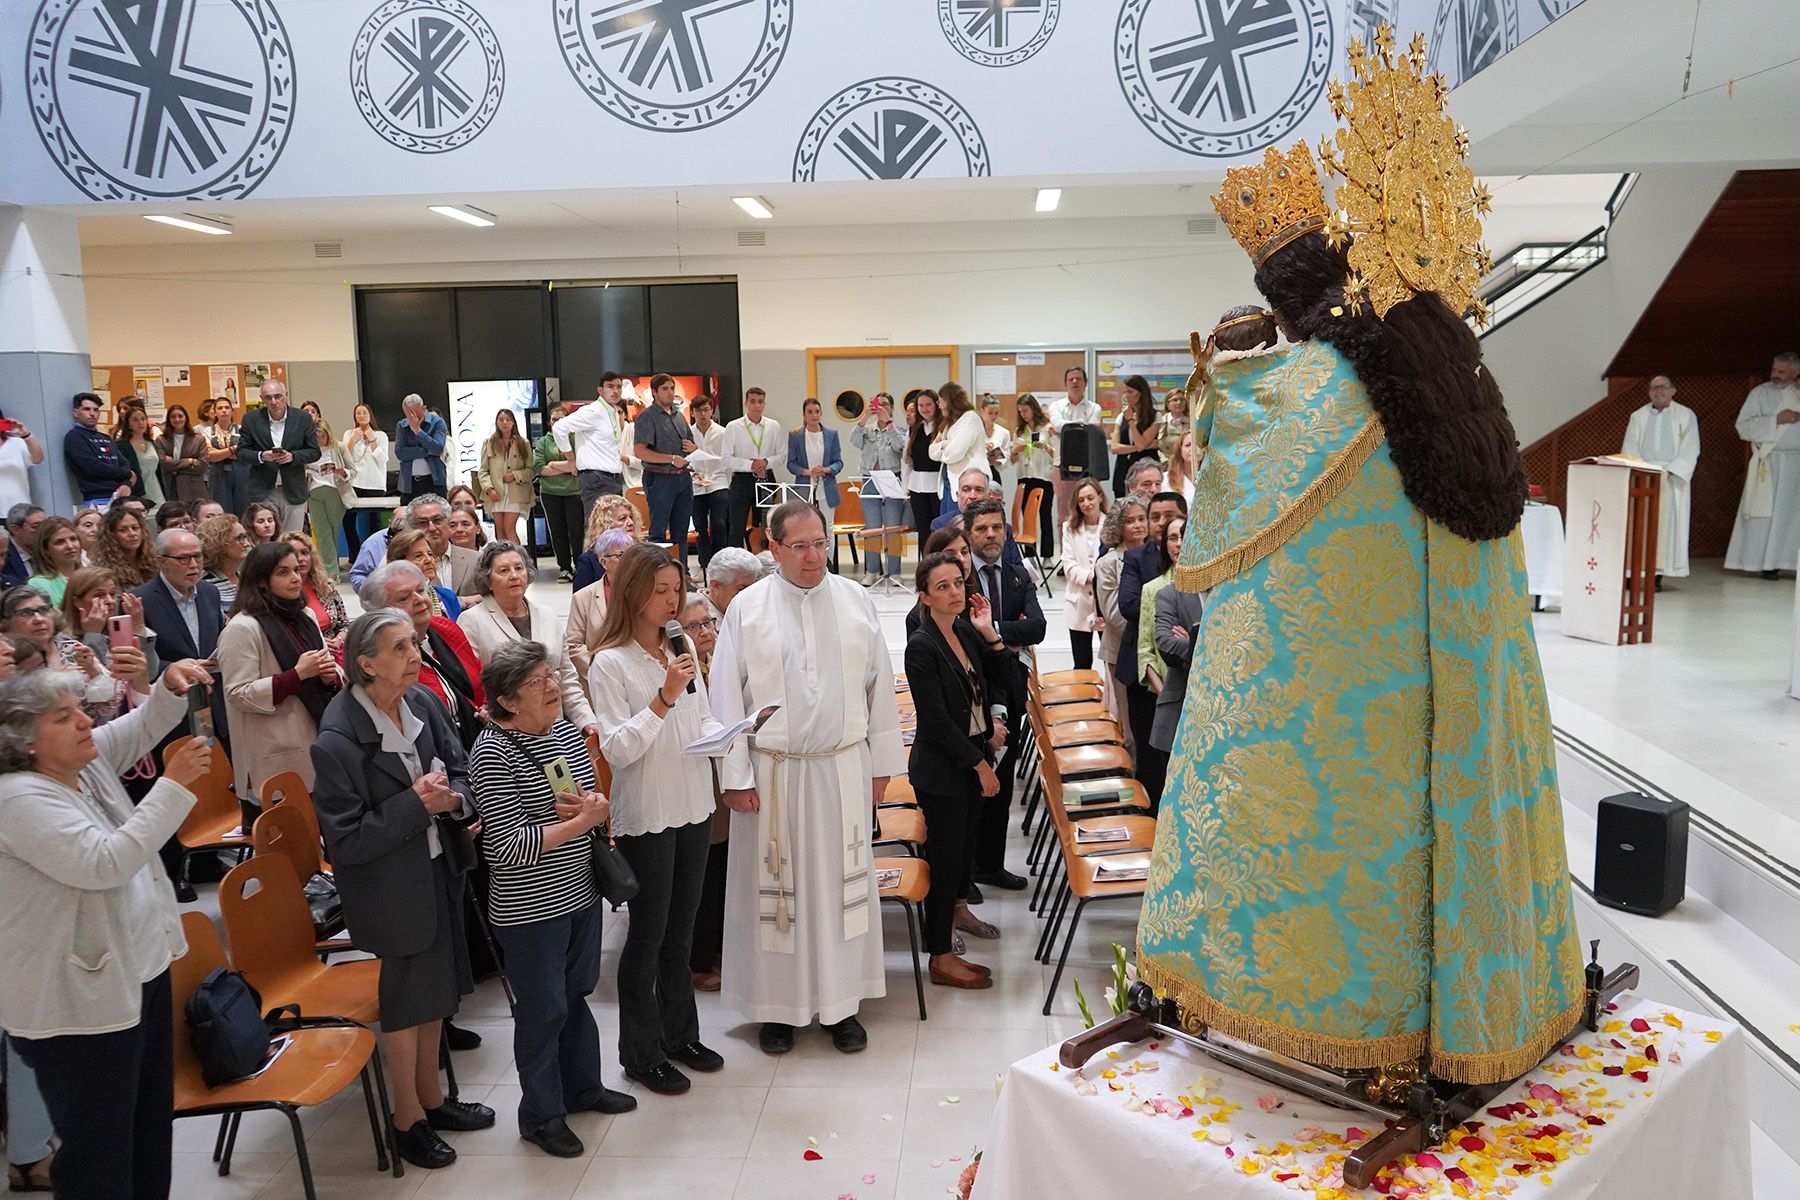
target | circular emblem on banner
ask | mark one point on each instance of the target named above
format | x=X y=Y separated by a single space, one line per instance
x=998 y=33
x=1366 y=15
x=1468 y=35
x=176 y=100
x=672 y=65
x=427 y=75
x=1222 y=78
x=891 y=128
x=1556 y=8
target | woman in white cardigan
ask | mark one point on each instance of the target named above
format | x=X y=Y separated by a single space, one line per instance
x=1081 y=550
x=506 y=614
x=961 y=439
x=91 y=925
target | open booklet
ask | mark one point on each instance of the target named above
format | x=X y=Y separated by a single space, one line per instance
x=888 y=484
x=715 y=744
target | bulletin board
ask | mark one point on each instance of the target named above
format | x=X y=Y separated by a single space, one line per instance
x=1009 y=374
x=186 y=384
x=1164 y=368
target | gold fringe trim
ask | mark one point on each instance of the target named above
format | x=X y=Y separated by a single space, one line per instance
x=1317 y=1048
x=1497 y=1065
x=1332 y=480
x=1194 y=1003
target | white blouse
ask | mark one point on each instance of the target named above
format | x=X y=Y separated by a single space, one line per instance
x=654 y=785
x=1081 y=549
x=368 y=465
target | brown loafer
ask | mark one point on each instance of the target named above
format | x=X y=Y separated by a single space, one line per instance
x=706 y=981
x=975 y=984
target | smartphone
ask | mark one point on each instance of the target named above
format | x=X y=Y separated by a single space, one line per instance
x=120 y=632
x=200 y=717
x=560 y=777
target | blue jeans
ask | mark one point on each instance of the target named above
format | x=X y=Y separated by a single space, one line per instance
x=671 y=500
x=881 y=512
x=552 y=966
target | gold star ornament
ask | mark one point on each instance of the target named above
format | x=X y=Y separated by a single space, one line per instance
x=1408 y=204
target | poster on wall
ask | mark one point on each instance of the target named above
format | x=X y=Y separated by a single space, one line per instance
x=148 y=383
x=257 y=374
x=222 y=380
x=1164 y=369
x=473 y=407
x=177 y=377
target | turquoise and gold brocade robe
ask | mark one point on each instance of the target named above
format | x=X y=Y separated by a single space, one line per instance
x=1359 y=857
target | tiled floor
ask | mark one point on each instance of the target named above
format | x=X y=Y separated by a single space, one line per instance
x=900 y=1119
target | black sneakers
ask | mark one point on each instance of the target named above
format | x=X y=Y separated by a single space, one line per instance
x=422 y=1147
x=695 y=1055
x=663 y=1079
x=554 y=1137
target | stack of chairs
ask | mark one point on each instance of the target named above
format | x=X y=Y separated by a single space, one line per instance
x=1095 y=818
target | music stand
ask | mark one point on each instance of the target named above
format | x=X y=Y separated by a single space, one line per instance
x=771 y=495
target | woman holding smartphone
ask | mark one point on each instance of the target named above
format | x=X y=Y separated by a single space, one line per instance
x=649 y=703
x=1034 y=459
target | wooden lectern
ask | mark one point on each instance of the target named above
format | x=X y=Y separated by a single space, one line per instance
x=1609 y=555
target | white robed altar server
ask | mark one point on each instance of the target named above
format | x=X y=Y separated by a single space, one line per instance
x=1766 y=536
x=804 y=931
x=1668 y=434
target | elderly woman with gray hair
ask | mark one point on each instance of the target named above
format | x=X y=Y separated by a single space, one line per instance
x=91 y=925
x=448 y=667
x=540 y=815
x=391 y=787
x=587 y=607
x=506 y=614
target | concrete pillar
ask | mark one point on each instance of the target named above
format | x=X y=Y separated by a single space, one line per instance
x=43 y=337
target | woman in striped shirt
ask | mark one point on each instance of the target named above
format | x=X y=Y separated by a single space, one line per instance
x=544 y=909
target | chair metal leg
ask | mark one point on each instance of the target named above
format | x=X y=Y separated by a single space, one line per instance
x=230 y=1144
x=1055 y=979
x=374 y=1118
x=387 y=1114
x=1052 y=922
x=306 y=1179
x=219 y=1142
x=912 y=937
x=448 y=1067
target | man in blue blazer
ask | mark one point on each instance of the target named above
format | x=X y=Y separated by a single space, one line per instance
x=823 y=477
x=419 y=446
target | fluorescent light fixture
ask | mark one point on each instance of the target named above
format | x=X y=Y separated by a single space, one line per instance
x=190 y=221
x=1048 y=199
x=756 y=206
x=468 y=214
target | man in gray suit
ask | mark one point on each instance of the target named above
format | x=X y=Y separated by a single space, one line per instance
x=277 y=442
x=456 y=566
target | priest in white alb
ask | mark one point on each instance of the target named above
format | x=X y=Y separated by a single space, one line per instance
x=803 y=928
x=1668 y=434
x=1766 y=536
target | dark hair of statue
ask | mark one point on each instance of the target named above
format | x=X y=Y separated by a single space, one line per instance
x=1445 y=421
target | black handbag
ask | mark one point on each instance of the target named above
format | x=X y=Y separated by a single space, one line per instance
x=322 y=899
x=613 y=876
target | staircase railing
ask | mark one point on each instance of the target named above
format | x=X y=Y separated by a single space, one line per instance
x=1533 y=272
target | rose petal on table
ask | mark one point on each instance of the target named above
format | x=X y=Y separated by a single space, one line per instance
x=868 y=1179
x=812 y=1143
x=1639 y=1025
x=1430 y=1161
x=813 y=1156
x=1713 y=1035
x=1671 y=1020
x=1472 y=1144
x=936 y=1163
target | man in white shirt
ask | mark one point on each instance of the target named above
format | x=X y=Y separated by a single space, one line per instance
x=712 y=484
x=805 y=936
x=1766 y=536
x=1075 y=408
x=1668 y=434
x=590 y=438
x=753 y=449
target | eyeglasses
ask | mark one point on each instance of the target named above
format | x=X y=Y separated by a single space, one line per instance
x=35 y=611
x=816 y=546
x=242 y=537
x=697 y=626
x=183 y=558
x=616 y=554
x=540 y=681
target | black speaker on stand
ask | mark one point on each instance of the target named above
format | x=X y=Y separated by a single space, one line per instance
x=1640 y=853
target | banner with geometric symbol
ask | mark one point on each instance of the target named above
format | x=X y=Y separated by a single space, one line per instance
x=209 y=101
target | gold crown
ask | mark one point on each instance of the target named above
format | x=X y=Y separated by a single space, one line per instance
x=1269 y=205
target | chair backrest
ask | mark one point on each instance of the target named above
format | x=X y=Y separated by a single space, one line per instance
x=214 y=789
x=204 y=953
x=283 y=830
x=849 y=514
x=1025 y=525
x=269 y=926
x=289 y=789
x=602 y=768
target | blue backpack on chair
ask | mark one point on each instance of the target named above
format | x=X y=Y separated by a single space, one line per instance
x=227 y=1029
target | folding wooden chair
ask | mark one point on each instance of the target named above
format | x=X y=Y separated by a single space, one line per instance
x=1027 y=521
x=282 y=830
x=909 y=893
x=271 y=934
x=1085 y=887
x=216 y=822
x=320 y=1060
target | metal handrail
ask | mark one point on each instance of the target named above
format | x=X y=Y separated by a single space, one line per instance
x=1565 y=274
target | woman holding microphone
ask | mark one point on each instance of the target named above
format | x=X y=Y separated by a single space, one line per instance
x=662 y=808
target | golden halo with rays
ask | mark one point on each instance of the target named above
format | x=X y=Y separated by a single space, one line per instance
x=1409 y=206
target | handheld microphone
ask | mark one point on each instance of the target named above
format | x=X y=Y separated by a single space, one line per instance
x=678 y=645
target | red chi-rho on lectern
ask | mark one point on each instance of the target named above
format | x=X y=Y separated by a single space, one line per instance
x=1609 y=555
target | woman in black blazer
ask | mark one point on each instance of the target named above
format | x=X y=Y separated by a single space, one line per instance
x=391 y=782
x=949 y=661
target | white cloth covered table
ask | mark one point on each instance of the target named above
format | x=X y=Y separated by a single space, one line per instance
x=1542 y=529
x=1679 y=1126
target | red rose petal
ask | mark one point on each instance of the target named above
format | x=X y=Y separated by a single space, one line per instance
x=1456 y=1175
x=1612 y=1070
x=1641 y=1076
x=1287 y=1176
x=1639 y=1025
x=1650 y=1052
x=813 y=1156
x=1228 y=1153
x=1428 y=1159
x=1472 y=1126
x=1382 y=1184
x=1594 y=1120
x=1616 y=1043
x=1473 y=1145
x=1550 y=1131
x=1524 y=1168
x=1543 y=1156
